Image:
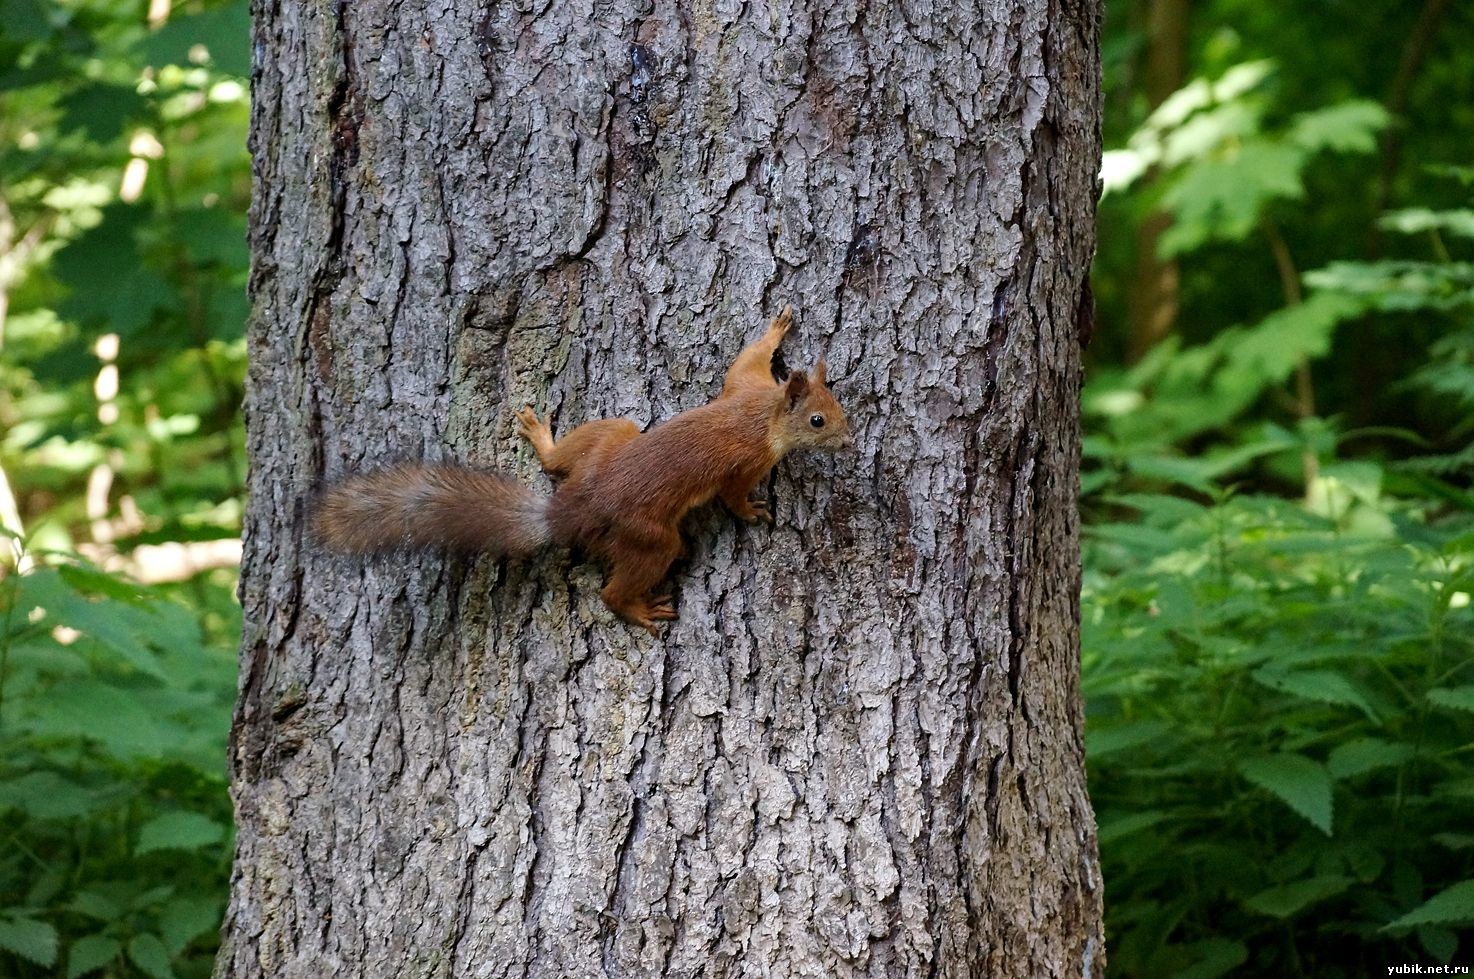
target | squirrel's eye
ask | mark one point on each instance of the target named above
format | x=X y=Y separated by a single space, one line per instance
x=816 y=420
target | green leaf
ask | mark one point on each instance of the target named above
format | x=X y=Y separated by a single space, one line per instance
x=30 y=939
x=1280 y=341
x=102 y=112
x=152 y=959
x=109 y=716
x=1213 y=958
x=90 y=954
x=119 y=628
x=125 y=303
x=1287 y=899
x=1300 y=783
x=1325 y=686
x=224 y=31
x=1363 y=755
x=187 y=918
x=46 y=795
x=1222 y=199
x=1347 y=127
x=1454 y=905
x=1114 y=828
x=24 y=20
x=1417 y=220
x=1454 y=841
x=178 y=831
x=88 y=580
x=1439 y=942
x=214 y=235
x=1101 y=741
x=1454 y=698
x=97 y=904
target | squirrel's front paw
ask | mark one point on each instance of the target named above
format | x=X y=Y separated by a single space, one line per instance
x=527 y=421
x=783 y=322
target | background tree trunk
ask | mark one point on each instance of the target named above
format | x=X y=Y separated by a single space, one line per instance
x=859 y=750
x=1152 y=305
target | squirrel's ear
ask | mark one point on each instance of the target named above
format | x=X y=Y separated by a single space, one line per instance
x=797 y=387
x=821 y=373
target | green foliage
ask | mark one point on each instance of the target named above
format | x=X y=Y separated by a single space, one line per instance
x=1279 y=686
x=1221 y=168
x=1280 y=528
x=114 y=702
x=1268 y=753
x=123 y=185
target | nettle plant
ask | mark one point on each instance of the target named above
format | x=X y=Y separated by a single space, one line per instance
x=114 y=704
x=1281 y=691
x=124 y=179
x=1281 y=712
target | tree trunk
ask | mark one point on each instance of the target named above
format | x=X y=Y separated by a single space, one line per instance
x=859 y=750
x=1153 y=288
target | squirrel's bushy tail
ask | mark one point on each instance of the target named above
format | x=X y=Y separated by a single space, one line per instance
x=433 y=506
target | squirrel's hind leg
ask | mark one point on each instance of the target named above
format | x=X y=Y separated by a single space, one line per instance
x=563 y=456
x=637 y=569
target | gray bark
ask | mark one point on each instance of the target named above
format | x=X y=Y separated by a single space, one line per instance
x=859 y=750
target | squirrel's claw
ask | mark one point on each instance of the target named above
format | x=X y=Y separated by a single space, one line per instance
x=754 y=511
x=656 y=610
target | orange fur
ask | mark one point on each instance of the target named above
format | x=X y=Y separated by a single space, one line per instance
x=433 y=506
x=622 y=493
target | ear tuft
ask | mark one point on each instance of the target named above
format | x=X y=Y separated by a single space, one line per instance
x=796 y=388
x=821 y=373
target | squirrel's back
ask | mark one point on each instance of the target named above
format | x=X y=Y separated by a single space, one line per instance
x=417 y=505
x=674 y=466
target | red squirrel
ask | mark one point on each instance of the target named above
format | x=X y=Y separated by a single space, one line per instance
x=622 y=493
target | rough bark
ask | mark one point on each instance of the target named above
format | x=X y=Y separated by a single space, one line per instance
x=859 y=750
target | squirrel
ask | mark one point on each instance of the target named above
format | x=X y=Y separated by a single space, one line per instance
x=621 y=493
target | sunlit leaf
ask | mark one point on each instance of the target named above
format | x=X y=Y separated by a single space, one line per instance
x=1418 y=220
x=1347 y=127
x=1454 y=698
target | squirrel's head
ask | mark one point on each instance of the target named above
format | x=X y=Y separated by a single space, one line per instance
x=808 y=417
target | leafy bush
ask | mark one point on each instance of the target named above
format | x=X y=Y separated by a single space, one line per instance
x=1280 y=690
x=123 y=185
x=114 y=703
x=1281 y=710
